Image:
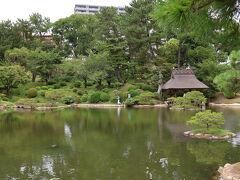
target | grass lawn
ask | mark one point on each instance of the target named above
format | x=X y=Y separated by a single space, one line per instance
x=213 y=131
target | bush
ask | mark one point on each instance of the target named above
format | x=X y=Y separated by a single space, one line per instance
x=44 y=88
x=145 y=87
x=77 y=84
x=28 y=102
x=191 y=100
x=80 y=92
x=32 y=93
x=134 y=92
x=55 y=95
x=77 y=100
x=132 y=87
x=228 y=93
x=56 y=86
x=51 y=82
x=84 y=98
x=63 y=84
x=75 y=90
x=145 y=98
x=94 y=97
x=42 y=93
x=130 y=102
x=207 y=119
x=4 y=98
x=104 y=97
x=68 y=100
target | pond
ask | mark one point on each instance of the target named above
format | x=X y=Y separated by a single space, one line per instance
x=110 y=144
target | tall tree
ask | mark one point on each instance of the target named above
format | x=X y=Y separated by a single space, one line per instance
x=10 y=37
x=141 y=31
x=74 y=34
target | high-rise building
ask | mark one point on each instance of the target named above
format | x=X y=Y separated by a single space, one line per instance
x=93 y=9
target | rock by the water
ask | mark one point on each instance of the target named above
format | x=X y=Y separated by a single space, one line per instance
x=230 y=172
x=208 y=136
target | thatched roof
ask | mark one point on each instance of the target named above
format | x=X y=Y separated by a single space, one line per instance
x=184 y=79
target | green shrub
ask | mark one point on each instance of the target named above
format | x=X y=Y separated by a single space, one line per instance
x=145 y=87
x=132 y=87
x=77 y=84
x=77 y=100
x=38 y=88
x=207 y=119
x=94 y=97
x=145 y=98
x=191 y=100
x=84 y=98
x=32 y=93
x=116 y=85
x=42 y=93
x=80 y=92
x=133 y=92
x=44 y=88
x=63 y=83
x=51 y=82
x=89 y=83
x=228 y=93
x=68 y=100
x=4 y=98
x=130 y=102
x=75 y=90
x=56 y=86
x=104 y=97
x=55 y=95
x=195 y=97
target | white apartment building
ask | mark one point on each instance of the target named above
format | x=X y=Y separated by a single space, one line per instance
x=93 y=9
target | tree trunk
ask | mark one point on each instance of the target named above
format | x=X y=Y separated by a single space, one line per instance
x=109 y=83
x=85 y=83
x=160 y=83
x=33 y=77
x=179 y=52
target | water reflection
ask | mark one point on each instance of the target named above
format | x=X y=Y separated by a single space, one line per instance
x=110 y=144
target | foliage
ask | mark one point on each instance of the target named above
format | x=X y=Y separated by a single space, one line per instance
x=68 y=100
x=207 y=119
x=84 y=98
x=130 y=102
x=55 y=95
x=191 y=100
x=94 y=97
x=235 y=59
x=32 y=93
x=104 y=97
x=214 y=131
x=228 y=82
x=145 y=98
x=133 y=92
x=12 y=77
x=77 y=84
x=77 y=100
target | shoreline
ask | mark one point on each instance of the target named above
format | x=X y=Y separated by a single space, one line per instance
x=234 y=105
x=81 y=106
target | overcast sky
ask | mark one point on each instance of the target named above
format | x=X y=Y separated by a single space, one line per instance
x=55 y=9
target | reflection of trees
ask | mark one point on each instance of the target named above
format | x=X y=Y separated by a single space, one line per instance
x=209 y=152
x=95 y=144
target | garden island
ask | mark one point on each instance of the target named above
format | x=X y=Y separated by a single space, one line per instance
x=179 y=59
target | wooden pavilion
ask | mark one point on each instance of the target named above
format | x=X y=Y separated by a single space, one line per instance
x=183 y=79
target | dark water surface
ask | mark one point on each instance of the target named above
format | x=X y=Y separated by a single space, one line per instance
x=110 y=144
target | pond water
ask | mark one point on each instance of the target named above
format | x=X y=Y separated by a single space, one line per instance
x=110 y=144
